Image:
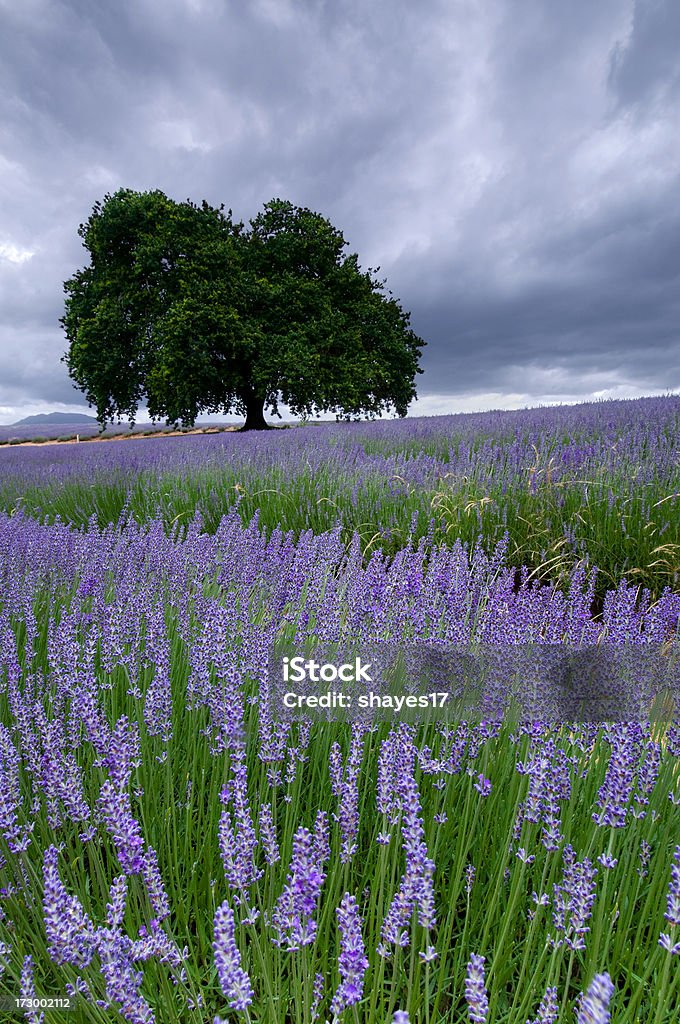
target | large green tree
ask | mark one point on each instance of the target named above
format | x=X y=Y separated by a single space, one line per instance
x=185 y=310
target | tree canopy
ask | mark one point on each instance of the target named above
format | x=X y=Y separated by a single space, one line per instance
x=187 y=311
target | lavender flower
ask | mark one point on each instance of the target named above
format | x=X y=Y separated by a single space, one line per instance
x=573 y=900
x=124 y=752
x=352 y=962
x=125 y=829
x=475 y=990
x=28 y=989
x=482 y=785
x=594 y=1008
x=18 y=839
x=549 y=782
x=158 y=897
x=548 y=1010
x=644 y=854
x=268 y=835
x=416 y=890
x=70 y=932
x=122 y=980
x=321 y=840
x=153 y=942
x=317 y=996
x=292 y=916
x=617 y=788
x=344 y=782
x=158 y=699
x=244 y=871
x=237 y=859
x=234 y=981
x=673 y=912
x=666 y=942
x=115 y=910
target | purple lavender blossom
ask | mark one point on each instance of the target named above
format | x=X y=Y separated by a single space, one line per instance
x=115 y=910
x=124 y=752
x=475 y=990
x=644 y=855
x=238 y=843
x=321 y=840
x=292 y=916
x=237 y=859
x=673 y=911
x=573 y=900
x=352 y=961
x=316 y=997
x=153 y=942
x=388 y=776
x=234 y=981
x=548 y=1010
x=124 y=828
x=60 y=774
x=482 y=785
x=72 y=938
x=268 y=838
x=416 y=889
x=18 y=838
x=123 y=982
x=70 y=932
x=27 y=989
x=647 y=773
x=616 y=790
x=158 y=698
x=344 y=783
x=666 y=942
x=594 y=1008
x=158 y=897
x=549 y=782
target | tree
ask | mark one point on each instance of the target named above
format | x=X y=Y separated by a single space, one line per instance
x=185 y=309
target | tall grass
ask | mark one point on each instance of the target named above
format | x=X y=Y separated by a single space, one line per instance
x=625 y=529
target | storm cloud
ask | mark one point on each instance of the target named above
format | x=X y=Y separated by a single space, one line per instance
x=512 y=169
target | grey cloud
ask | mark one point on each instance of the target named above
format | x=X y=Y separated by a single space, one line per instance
x=488 y=163
x=646 y=64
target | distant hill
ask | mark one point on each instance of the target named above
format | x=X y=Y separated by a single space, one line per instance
x=55 y=417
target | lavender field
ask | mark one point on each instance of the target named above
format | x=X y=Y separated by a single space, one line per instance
x=170 y=851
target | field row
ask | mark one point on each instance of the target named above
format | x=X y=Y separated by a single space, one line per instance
x=594 y=486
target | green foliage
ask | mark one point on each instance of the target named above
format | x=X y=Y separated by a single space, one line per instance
x=182 y=308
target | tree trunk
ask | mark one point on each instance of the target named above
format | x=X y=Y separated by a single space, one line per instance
x=254 y=413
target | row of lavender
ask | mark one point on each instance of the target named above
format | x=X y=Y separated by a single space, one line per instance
x=611 y=435
x=594 y=485
x=171 y=852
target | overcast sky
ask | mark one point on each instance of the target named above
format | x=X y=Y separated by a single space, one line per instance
x=513 y=167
